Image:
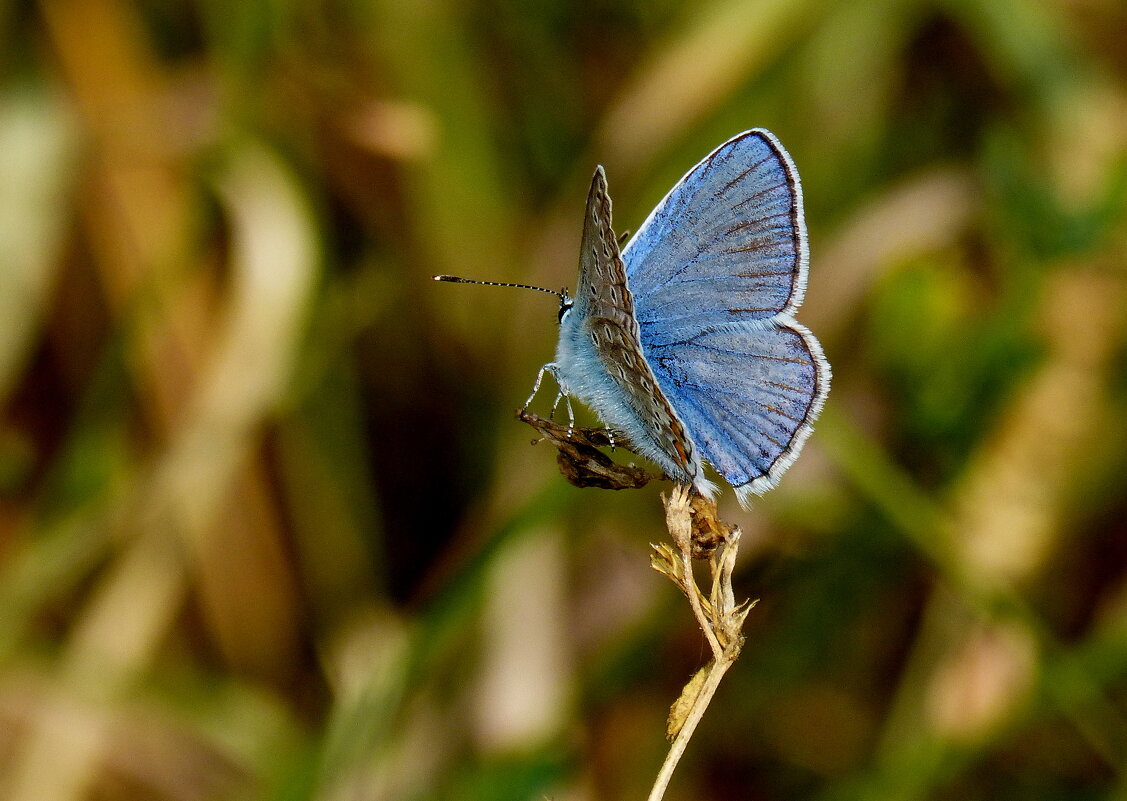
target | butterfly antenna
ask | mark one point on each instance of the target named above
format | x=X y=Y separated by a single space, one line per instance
x=456 y=280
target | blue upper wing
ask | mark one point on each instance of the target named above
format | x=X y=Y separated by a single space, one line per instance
x=727 y=244
x=717 y=271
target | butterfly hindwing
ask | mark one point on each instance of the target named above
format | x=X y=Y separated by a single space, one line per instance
x=749 y=393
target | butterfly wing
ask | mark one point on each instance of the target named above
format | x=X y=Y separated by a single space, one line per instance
x=749 y=394
x=601 y=352
x=718 y=269
x=727 y=244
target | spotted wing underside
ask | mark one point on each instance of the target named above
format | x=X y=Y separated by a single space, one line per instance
x=607 y=307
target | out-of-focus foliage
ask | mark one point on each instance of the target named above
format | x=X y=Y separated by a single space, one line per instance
x=269 y=530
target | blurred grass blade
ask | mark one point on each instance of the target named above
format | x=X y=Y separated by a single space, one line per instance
x=36 y=152
x=697 y=70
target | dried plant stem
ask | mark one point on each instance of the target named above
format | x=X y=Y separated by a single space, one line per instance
x=705 y=624
x=719 y=617
x=716 y=671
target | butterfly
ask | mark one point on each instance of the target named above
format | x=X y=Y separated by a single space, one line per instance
x=685 y=339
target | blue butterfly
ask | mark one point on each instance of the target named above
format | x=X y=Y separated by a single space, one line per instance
x=685 y=340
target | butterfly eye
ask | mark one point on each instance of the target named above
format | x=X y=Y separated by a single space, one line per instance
x=565 y=307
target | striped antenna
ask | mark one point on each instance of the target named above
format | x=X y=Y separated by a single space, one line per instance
x=456 y=280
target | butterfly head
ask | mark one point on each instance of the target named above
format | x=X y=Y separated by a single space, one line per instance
x=566 y=302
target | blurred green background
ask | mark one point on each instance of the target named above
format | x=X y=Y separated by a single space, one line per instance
x=269 y=530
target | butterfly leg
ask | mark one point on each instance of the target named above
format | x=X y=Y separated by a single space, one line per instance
x=553 y=368
x=547 y=368
x=563 y=396
x=570 y=415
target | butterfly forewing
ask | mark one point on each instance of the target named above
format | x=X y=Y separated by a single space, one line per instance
x=607 y=308
x=727 y=244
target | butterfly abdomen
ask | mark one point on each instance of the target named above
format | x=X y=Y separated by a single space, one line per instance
x=586 y=373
